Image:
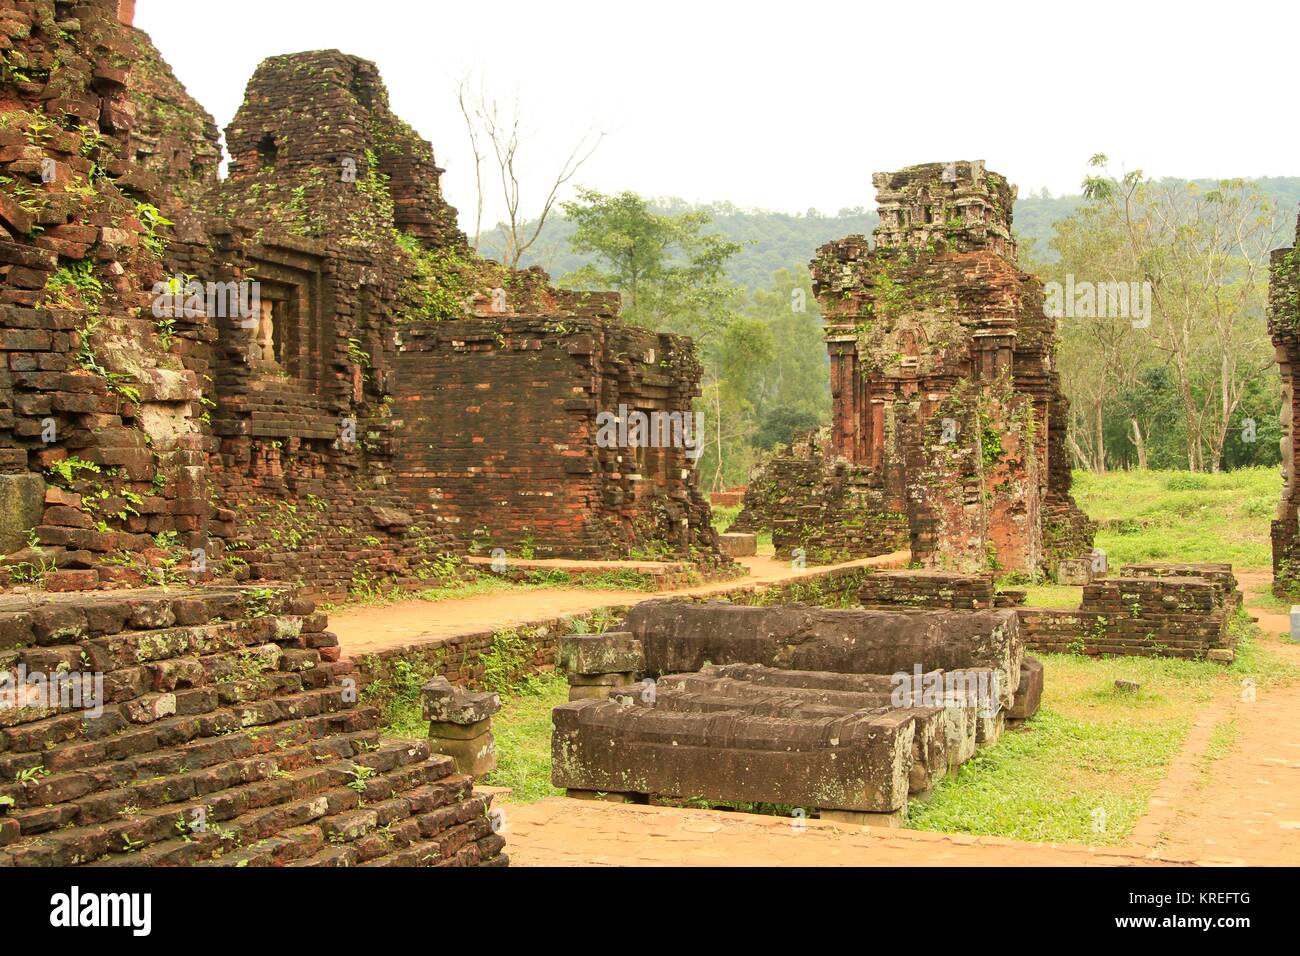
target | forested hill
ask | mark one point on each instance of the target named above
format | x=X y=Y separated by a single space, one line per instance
x=777 y=240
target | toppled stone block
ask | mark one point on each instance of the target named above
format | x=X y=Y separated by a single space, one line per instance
x=22 y=503
x=856 y=762
x=738 y=545
x=1074 y=572
x=682 y=636
x=1127 y=686
x=1030 y=692
x=444 y=702
x=614 y=652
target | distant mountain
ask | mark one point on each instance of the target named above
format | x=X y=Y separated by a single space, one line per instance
x=778 y=240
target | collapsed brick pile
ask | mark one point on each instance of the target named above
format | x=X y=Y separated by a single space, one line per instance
x=849 y=712
x=1155 y=610
x=221 y=733
x=948 y=423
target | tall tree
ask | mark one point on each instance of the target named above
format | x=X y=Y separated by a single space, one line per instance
x=1200 y=256
x=491 y=126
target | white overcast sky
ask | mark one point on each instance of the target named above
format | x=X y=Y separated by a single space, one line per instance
x=792 y=105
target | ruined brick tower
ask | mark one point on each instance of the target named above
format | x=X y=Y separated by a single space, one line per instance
x=948 y=423
x=1284 y=324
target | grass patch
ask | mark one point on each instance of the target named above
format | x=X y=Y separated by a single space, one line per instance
x=397 y=695
x=1182 y=515
x=724 y=516
x=1091 y=748
x=523 y=734
x=1053 y=595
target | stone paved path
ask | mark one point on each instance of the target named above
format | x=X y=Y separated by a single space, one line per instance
x=1245 y=806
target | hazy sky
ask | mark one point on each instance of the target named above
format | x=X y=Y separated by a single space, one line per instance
x=791 y=106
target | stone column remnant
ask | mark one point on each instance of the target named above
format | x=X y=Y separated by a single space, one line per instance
x=460 y=725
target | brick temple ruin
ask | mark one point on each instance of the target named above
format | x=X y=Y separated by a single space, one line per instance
x=297 y=380
x=381 y=398
x=222 y=398
x=948 y=422
x=1284 y=326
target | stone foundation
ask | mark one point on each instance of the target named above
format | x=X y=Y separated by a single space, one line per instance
x=847 y=712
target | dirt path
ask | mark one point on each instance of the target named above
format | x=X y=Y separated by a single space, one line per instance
x=366 y=630
x=562 y=832
x=1243 y=805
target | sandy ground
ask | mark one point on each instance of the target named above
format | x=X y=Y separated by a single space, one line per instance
x=365 y=630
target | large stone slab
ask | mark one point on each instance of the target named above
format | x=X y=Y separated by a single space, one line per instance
x=682 y=636
x=859 y=761
x=934 y=727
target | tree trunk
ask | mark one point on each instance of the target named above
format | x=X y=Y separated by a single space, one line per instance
x=1140 y=443
x=1099 y=447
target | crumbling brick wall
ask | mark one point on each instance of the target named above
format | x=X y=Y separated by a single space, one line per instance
x=501 y=444
x=98 y=434
x=944 y=396
x=1151 y=614
x=1284 y=325
x=202 y=441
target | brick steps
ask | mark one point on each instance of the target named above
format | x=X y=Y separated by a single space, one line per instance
x=215 y=734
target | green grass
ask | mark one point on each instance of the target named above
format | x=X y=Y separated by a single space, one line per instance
x=1052 y=595
x=724 y=515
x=1092 y=747
x=1182 y=515
x=523 y=733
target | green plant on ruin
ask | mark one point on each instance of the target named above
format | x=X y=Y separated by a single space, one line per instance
x=87 y=360
x=152 y=219
x=79 y=276
x=507 y=664
x=435 y=287
x=358 y=356
x=375 y=185
x=396 y=692
x=28 y=199
x=257 y=602
x=14 y=67
x=360 y=774
x=246 y=666
x=25 y=572
x=66 y=471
